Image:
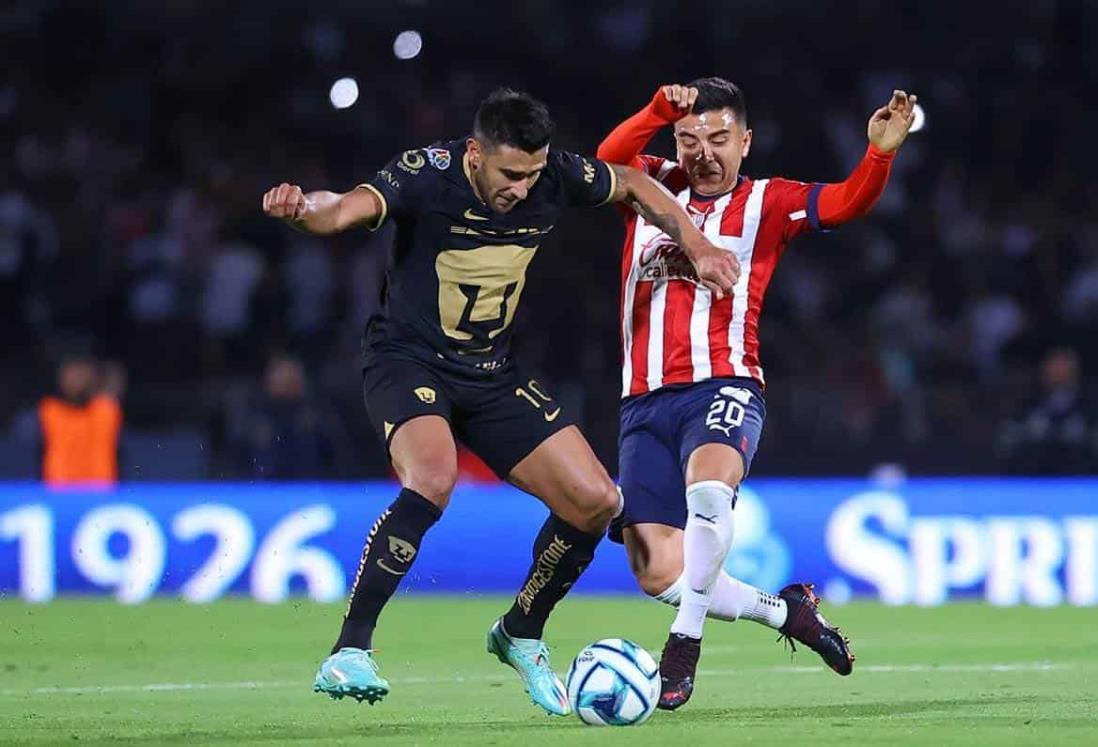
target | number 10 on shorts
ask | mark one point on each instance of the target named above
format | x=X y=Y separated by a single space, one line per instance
x=538 y=399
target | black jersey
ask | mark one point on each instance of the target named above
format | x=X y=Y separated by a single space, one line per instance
x=458 y=269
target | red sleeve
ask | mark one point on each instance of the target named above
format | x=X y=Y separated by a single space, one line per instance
x=802 y=206
x=626 y=142
x=794 y=206
x=853 y=197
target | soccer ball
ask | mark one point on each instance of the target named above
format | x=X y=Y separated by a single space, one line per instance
x=613 y=682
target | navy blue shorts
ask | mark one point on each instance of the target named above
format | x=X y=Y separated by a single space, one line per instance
x=661 y=429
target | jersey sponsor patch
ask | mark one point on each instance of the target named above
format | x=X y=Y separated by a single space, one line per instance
x=439 y=158
x=411 y=161
x=661 y=258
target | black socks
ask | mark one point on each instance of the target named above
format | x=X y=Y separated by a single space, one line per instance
x=561 y=553
x=390 y=549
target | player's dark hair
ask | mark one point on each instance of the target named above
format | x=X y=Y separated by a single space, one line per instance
x=718 y=93
x=509 y=117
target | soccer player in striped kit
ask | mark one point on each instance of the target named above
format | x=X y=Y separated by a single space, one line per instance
x=692 y=381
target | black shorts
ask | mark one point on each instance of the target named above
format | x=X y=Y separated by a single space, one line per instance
x=501 y=416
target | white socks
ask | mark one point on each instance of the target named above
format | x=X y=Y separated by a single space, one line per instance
x=706 y=542
x=704 y=589
x=732 y=599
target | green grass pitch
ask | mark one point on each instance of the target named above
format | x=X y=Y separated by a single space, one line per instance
x=84 y=670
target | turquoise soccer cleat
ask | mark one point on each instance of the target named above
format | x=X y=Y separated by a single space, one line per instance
x=530 y=658
x=351 y=672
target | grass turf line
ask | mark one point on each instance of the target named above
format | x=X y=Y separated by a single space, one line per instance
x=240 y=672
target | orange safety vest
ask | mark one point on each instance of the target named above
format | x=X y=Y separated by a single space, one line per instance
x=80 y=442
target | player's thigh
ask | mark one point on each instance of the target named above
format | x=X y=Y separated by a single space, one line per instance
x=410 y=407
x=719 y=430
x=655 y=555
x=566 y=475
x=521 y=432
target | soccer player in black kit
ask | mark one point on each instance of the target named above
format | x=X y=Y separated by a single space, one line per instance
x=470 y=215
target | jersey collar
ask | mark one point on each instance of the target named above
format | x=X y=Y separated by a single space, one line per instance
x=695 y=197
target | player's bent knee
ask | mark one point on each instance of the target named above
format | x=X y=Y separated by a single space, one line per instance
x=656 y=581
x=715 y=462
x=597 y=504
x=435 y=485
x=730 y=475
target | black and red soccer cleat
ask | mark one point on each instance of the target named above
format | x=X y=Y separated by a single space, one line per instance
x=678 y=667
x=805 y=624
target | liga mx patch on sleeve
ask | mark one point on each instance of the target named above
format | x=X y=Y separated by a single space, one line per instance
x=439 y=158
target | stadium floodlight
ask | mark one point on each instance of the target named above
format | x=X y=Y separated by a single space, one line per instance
x=920 y=119
x=344 y=93
x=407 y=45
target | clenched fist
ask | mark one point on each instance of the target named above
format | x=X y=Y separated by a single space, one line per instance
x=682 y=97
x=286 y=201
x=672 y=102
x=718 y=270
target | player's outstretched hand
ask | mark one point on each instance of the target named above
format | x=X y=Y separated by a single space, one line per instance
x=286 y=201
x=718 y=270
x=889 y=125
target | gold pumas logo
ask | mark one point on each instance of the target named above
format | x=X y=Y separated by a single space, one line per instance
x=402 y=551
x=470 y=215
x=426 y=395
x=388 y=429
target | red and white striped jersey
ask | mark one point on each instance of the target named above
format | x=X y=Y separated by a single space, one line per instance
x=674 y=331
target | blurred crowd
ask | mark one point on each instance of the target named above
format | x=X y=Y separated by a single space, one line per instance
x=953 y=331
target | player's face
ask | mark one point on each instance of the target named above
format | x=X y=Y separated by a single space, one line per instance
x=503 y=174
x=711 y=146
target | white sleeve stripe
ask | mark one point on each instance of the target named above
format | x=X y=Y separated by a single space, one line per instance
x=665 y=169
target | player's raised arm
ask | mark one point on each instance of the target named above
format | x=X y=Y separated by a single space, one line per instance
x=626 y=142
x=322 y=212
x=858 y=193
x=718 y=270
